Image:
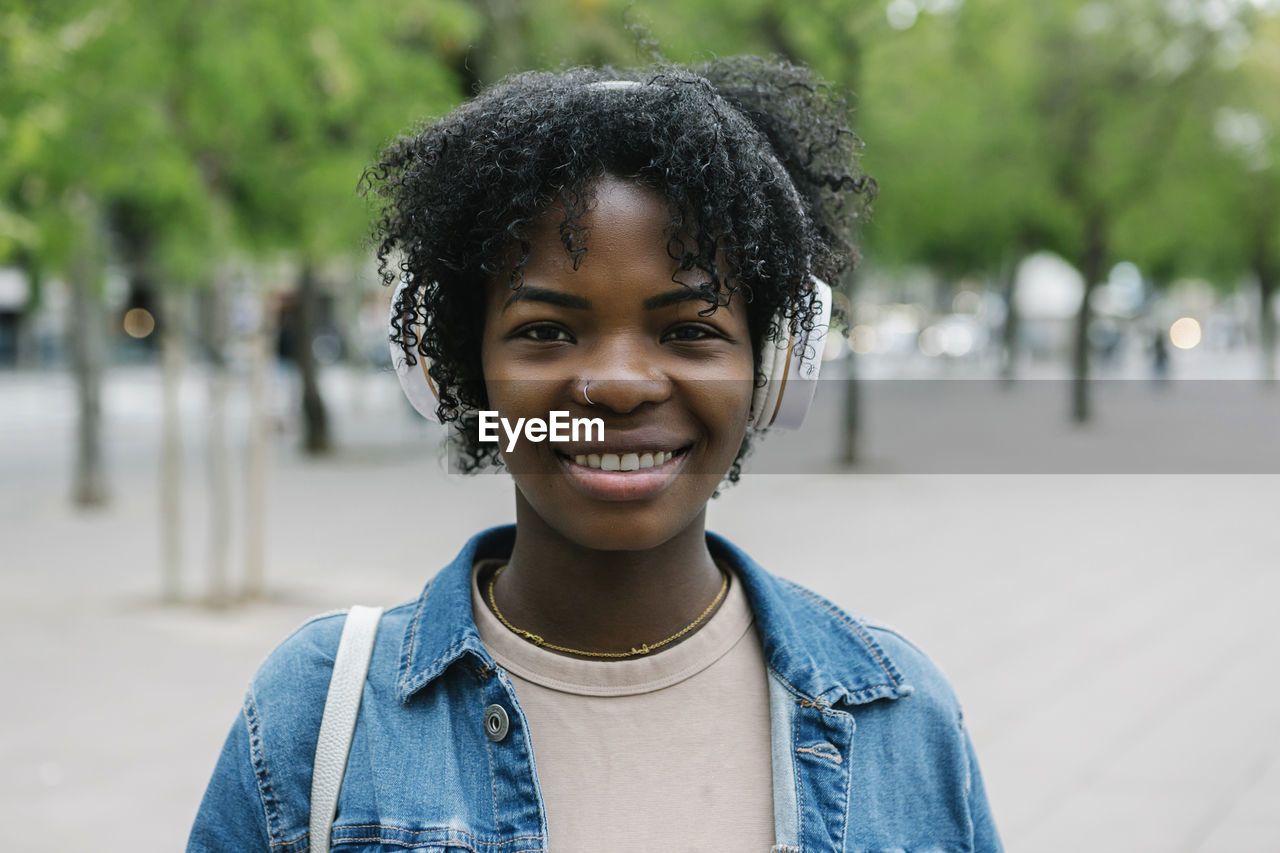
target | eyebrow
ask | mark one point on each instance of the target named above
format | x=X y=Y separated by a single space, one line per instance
x=675 y=297
x=543 y=294
x=569 y=300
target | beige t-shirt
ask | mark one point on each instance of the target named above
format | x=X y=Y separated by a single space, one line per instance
x=665 y=752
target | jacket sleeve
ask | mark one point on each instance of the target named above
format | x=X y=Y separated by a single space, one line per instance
x=233 y=813
x=985 y=837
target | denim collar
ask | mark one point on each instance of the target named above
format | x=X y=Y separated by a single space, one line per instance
x=824 y=655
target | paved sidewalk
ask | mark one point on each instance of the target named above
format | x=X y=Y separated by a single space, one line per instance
x=1112 y=637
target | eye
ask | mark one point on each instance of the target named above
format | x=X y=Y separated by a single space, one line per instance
x=691 y=332
x=545 y=333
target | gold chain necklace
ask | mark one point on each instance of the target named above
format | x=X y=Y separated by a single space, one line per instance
x=644 y=649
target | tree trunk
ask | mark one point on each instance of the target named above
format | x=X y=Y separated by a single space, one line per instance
x=851 y=417
x=1266 y=273
x=87 y=346
x=1009 y=328
x=26 y=353
x=217 y=457
x=258 y=459
x=350 y=308
x=171 y=358
x=1092 y=260
x=315 y=420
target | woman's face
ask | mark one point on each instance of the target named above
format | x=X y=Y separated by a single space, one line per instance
x=665 y=381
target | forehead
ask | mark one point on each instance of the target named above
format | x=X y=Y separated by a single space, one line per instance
x=618 y=213
x=618 y=247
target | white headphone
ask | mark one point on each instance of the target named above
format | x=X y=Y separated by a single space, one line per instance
x=789 y=364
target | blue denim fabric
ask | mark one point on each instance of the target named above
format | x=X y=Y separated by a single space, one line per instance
x=869 y=749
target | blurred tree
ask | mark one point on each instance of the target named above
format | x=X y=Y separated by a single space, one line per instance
x=1217 y=214
x=955 y=148
x=70 y=163
x=1012 y=126
x=1248 y=127
x=1113 y=82
x=281 y=107
x=178 y=138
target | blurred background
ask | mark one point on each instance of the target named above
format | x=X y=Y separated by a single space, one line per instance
x=1079 y=215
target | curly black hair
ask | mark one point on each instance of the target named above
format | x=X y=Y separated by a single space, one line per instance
x=755 y=157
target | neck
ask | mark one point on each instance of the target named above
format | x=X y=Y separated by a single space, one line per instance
x=604 y=601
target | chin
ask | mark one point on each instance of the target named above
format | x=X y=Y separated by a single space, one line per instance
x=636 y=531
x=618 y=526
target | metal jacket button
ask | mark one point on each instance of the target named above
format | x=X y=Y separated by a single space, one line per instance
x=496 y=722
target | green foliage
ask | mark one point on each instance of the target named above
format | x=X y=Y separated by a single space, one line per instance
x=211 y=129
x=205 y=130
x=1219 y=213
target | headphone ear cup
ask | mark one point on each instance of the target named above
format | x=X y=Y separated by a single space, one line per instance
x=415 y=379
x=792 y=377
x=772 y=363
x=760 y=392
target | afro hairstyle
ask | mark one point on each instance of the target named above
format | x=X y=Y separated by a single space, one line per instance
x=755 y=157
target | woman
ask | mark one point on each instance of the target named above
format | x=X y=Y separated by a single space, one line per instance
x=605 y=674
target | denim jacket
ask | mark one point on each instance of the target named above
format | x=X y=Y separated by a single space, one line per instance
x=869 y=749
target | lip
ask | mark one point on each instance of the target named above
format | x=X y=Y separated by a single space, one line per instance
x=634 y=485
x=629 y=441
x=572 y=450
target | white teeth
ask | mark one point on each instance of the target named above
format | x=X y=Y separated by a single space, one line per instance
x=623 y=461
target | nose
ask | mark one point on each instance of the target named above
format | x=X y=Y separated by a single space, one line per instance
x=622 y=377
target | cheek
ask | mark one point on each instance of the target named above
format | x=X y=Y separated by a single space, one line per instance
x=725 y=405
x=503 y=393
x=513 y=398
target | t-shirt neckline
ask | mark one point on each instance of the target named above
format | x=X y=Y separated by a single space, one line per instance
x=615 y=677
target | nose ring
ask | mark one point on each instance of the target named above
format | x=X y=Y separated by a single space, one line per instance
x=584 y=394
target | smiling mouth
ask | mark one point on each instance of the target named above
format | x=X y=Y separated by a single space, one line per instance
x=632 y=461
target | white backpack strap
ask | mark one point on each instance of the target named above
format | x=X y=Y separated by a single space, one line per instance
x=346 y=687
